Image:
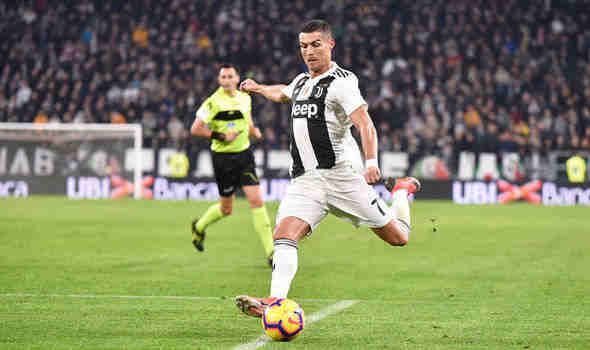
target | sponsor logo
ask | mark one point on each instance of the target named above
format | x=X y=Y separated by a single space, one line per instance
x=124 y=188
x=477 y=192
x=103 y=187
x=181 y=190
x=88 y=187
x=158 y=188
x=318 y=92
x=272 y=190
x=512 y=192
x=23 y=161
x=309 y=110
x=554 y=195
x=14 y=189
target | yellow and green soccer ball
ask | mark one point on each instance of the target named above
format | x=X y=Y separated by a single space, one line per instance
x=283 y=320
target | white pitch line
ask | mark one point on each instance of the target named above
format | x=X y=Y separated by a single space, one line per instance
x=93 y=296
x=108 y=296
x=323 y=313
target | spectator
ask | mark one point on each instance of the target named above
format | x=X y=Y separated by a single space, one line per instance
x=176 y=131
x=472 y=118
x=117 y=118
x=489 y=141
x=426 y=67
x=141 y=35
x=148 y=124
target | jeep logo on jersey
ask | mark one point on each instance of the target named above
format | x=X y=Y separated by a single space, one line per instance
x=303 y=110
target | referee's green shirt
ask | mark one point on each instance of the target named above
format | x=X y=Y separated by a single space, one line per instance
x=224 y=113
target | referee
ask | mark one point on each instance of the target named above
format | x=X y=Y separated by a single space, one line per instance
x=226 y=118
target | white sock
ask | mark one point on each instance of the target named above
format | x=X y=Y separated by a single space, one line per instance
x=401 y=207
x=284 y=267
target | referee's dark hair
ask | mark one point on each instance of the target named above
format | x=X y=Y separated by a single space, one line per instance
x=229 y=65
x=317 y=25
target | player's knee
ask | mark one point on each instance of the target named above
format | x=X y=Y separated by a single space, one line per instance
x=393 y=234
x=291 y=228
x=285 y=234
x=398 y=237
x=399 y=240
x=295 y=235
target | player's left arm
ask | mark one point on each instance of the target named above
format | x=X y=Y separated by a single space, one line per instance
x=348 y=95
x=362 y=121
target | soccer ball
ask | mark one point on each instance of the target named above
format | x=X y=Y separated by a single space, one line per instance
x=283 y=320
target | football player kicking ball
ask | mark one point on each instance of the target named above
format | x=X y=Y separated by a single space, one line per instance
x=325 y=103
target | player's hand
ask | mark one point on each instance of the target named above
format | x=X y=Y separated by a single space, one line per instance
x=249 y=85
x=372 y=175
x=257 y=134
x=230 y=136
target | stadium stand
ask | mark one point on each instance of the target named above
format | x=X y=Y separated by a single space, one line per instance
x=440 y=76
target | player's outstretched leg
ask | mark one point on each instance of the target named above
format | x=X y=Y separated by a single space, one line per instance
x=252 y=306
x=400 y=191
x=397 y=231
x=409 y=183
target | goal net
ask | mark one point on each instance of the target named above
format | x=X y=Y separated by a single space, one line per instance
x=77 y=160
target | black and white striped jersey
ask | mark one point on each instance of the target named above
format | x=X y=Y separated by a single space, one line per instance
x=320 y=125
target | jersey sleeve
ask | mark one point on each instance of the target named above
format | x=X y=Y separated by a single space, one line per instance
x=288 y=90
x=206 y=111
x=347 y=94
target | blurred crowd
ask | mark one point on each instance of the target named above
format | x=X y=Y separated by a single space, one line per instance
x=440 y=76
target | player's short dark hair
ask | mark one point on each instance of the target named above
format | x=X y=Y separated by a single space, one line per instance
x=229 y=65
x=317 y=25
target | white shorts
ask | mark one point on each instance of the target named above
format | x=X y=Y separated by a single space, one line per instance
x=340 y=191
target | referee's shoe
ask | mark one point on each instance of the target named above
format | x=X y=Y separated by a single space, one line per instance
x=198 y=237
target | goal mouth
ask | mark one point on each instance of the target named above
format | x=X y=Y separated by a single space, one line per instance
x=78 y=160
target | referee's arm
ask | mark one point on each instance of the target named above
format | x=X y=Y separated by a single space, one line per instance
x=199 y=128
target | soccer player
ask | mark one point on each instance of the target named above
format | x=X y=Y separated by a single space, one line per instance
x=325 y=103
x=226 y=118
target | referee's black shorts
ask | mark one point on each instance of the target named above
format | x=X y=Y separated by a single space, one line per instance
x=233 y=170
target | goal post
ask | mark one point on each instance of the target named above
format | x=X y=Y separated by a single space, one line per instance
x=74 y=150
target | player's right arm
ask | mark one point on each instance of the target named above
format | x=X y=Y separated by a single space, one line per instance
x=271 y=92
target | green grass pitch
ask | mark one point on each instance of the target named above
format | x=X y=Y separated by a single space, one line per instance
x=78 y=274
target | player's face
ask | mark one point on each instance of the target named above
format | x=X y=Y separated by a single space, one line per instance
x=316 y=50
x=228 y=79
